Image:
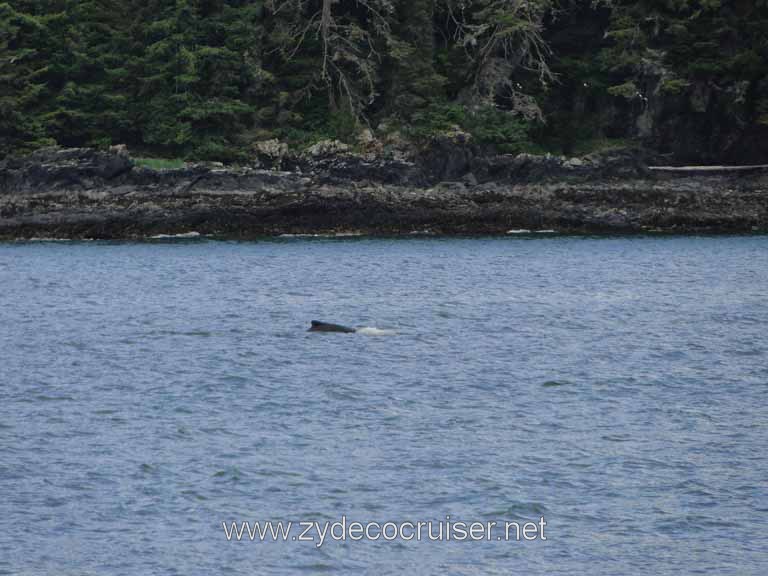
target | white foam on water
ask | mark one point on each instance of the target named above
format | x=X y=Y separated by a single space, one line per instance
x=42 y=239
x=519 y=231
x=182 y=235
x=324 y=235
x=546 y=231
x=372 y=331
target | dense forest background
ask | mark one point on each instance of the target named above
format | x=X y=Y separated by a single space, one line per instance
x=208 y=79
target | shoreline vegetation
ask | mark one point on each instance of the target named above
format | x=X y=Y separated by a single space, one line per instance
x=247 y=119
x=449 y=187
x=218 y=81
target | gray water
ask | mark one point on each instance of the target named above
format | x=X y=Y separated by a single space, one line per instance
x=615 y=387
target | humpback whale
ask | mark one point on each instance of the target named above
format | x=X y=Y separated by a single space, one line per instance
x=318 y=326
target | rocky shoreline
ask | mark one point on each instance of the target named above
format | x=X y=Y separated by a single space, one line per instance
x=450 y=188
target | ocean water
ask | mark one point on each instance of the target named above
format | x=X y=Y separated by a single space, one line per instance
x=616 y=387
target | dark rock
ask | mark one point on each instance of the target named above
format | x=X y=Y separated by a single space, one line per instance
x=362 y=169
x=469 y=179
x=520 y=168
x=447 y=157
x=81 y=193
x=65 y=168
x=707 y=122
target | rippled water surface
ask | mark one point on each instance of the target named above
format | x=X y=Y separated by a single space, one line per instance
x=615 y=386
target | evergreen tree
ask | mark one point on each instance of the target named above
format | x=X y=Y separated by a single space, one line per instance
x=205 y=78
x=199 y=71
x=24 y=64
x=413 y=81
x=91 y=76
x=706 y=57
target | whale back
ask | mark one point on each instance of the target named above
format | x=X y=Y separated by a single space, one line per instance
x=318 y=326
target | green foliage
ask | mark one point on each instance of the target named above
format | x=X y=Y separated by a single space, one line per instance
x=436 y=119
x=319 y=124
x=204 y=79
x=627 y=90
x=674 y=86
x=23 y=67
x=198 y=75
x=414 y=83
x=505 y=131
x=159 y=163
x=342 y=125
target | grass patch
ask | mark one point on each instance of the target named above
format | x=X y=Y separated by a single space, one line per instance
x=159 y=163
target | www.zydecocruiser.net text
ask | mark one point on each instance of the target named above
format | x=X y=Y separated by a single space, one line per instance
x=344 y=530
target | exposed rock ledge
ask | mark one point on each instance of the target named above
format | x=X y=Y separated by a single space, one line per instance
x=449 y=189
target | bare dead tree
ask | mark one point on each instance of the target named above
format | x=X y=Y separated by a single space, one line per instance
x=349 y=57
x=500 y=37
